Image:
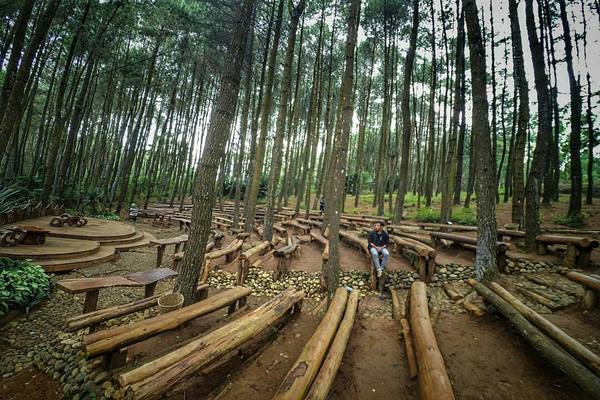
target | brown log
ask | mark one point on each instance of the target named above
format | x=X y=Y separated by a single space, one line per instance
x=113 y=339
x=453 y=294
x=231 y=248
x=84 y=320
x=567 y=342
x=324 y=381
x=552 y=284
x=152 y=380
x=398 y=308
x=434 y=383
x=255 y=251
x=539 y=298
x=290 y=248
x=563 y=239
x=590 y=299
x=473 y=309
x=546 y=347
x=418 y=247
x=355 y=241
x=585 y=280
x=411 y=359
x=300 y=377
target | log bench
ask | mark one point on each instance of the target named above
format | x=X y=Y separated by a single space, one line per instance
x=511 y=233
x=183 y=223
x=424 y=255
x=297 y=227
x=578 y=252
x=152 y=380
x=93 y=318
x=231 y=252
x=91 y=287
x=284 y=256
x=163 y=243
x=177 y=257
x=446 y=227
x=591 y=287
x=112 y=343
x=471 y=244
x=281 y=231
x=248 y=257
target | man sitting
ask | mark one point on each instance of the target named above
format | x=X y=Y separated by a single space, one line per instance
x=378 y=242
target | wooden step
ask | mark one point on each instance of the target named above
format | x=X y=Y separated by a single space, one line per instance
x=142 y=241
x=104 y=254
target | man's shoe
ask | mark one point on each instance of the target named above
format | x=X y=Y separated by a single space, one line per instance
x=379 y=273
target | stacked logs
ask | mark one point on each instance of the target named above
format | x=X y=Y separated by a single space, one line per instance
x=313 y=373
x=425 y=255
x=152 y=380
x=559 y=349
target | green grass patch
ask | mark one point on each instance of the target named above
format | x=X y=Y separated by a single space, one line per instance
x=464 y=216
x=573 y=221
x=427 y=215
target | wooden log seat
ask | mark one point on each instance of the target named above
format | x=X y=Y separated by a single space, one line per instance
x=424 y=255
x=434 y=383
x=591 y=287
x=161 y=245
x=150 y=278
x=578 y=252
x=246 y=259
x=548 y=348
x=183 y=223
x=471 y=244
x=511 y=233
x=284 y=256
x=300 y=377
x=310 y=222
x=297 y=227
x=152 y=380
x=231 y=252
x=112 y=342
x=178 y=257
x=91 y=287
x=93 y=318
x=281 y=231
x=446 y=227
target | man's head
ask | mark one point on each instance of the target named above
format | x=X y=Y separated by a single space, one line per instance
x=378 y=226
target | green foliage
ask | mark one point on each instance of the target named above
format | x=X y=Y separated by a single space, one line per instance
x=13 y=197
x=574 y=221
x=427 y=215
x=107 y=215
x=464 y=216
x=22 y=285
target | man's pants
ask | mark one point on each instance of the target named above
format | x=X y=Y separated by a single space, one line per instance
x=375 y=255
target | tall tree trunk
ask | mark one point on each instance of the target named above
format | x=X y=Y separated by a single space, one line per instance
x=518 y=184
x=286 y=85
x=485 y=259
x=343 y=126
x=575 y=137
x=538 y=165
x=222 y=117
x=265 y=115
x=406 y=123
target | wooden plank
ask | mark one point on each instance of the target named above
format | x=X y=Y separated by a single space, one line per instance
x=151 y=276
x=80 y=285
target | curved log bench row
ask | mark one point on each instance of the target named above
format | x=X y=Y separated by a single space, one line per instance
x=591 y=287
x=246 y=259
x=471 y=244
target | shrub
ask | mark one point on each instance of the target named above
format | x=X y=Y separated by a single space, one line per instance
x=13 y=197
x=22 y=285
x=107 y=215
x=574 y=221
x=464 y=216
x=427 y=215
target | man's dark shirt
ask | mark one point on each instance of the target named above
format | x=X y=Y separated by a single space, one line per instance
x=378 y=239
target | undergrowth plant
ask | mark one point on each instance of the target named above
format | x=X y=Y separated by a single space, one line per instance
x=22 y=285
